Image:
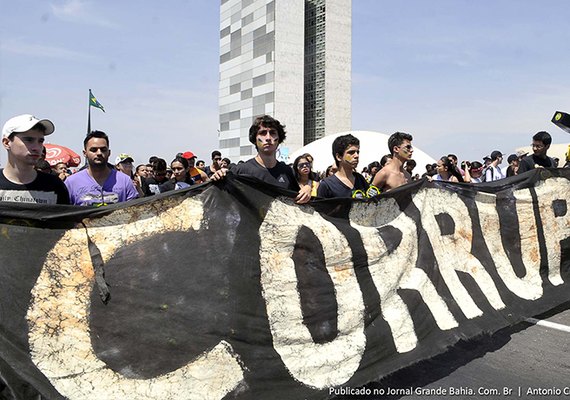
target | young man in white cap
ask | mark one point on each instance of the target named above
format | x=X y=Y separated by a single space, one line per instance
x=23 y=138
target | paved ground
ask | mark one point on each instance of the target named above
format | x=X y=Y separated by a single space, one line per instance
x=527 y=361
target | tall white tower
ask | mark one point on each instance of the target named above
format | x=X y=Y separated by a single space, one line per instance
x=288 y=59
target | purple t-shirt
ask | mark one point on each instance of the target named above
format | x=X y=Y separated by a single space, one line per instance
x=85 y=191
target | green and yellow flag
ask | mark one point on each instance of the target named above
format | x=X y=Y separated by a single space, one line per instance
x=94 y=103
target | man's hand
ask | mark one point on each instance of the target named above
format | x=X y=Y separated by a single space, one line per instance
x=219 y=174
x=304 y=195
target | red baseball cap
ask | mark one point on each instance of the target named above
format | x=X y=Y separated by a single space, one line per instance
x=188 y=155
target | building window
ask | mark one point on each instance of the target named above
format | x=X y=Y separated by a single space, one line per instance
x=225 y=143
x=234 y=115
x=224 y=32
x=248 y=19
x=246 y=94
x=225 y=57
x=235 y=88
x=246 y=150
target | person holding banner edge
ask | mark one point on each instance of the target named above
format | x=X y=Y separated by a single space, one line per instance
x=540 y=144
x=267 y=134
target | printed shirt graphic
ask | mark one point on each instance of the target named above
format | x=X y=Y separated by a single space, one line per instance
x=85 y=191
x=45 y=189
x=181 y=185
x=25 y=196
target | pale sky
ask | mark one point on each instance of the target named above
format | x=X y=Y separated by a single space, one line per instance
x=464 y=77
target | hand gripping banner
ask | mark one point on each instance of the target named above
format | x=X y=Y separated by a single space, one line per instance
x=231 y=290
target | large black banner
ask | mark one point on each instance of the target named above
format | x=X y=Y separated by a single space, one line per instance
x=233 y=291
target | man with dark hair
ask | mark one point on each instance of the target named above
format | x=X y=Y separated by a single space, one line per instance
x=410 y=165
x=454 y=161
x=215 y=166
x=540 y=144
x=345 y=182
x=60 y=170
x=394 y=174
x=513 y=167
x=151 y=185
x=267 y=134
x=268 y=123
x=493 y=172
x=99 y=184
x=23 y=137
x=474 y=172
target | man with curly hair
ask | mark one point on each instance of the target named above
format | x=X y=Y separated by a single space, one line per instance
x=267 y=134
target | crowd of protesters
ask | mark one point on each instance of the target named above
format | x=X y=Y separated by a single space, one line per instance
x=29 y=178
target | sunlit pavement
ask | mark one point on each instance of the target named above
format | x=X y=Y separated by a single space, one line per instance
x=529 y=360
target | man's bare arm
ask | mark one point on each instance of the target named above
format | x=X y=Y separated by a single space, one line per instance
x=380 y=179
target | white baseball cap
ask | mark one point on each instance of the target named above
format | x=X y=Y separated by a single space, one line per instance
x=25 y=122
x=123 y=157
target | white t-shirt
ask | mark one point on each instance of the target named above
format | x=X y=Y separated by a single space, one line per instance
x=493 y=174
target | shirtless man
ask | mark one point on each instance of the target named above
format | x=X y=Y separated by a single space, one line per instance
x=394 y=174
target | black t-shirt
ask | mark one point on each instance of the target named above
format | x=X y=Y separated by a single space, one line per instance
x=280 y=175
x=510 y=171
x=172 y=184
x=333 y=187
x=45 y=189
x=151 y=186
x=528 y=163
x=209 y=171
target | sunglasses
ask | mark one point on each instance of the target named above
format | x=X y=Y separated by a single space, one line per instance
x=217 y=159
x=303 y=165
x=408 y=147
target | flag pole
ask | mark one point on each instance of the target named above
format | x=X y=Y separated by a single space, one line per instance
x=89 y=114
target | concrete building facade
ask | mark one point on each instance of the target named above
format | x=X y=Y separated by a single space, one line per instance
x=286 y=58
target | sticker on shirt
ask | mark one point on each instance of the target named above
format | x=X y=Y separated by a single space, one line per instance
x=25 y=196
x=181 y=185
x=99 y=199
x=154 y=189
